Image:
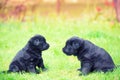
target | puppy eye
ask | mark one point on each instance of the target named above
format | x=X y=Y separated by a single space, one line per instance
x=76 y=43
x=69 y=43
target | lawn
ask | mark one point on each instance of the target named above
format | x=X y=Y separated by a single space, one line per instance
x=15 y=34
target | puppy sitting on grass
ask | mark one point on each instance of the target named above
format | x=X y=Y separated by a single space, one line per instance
x=30 y=57
x=92 y=57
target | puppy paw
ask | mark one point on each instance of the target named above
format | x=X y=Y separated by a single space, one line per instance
x=80 y=74
x=79 y=69
x=45 y=69
x=37 y=72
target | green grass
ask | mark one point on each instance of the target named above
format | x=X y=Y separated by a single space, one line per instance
x=15 y=34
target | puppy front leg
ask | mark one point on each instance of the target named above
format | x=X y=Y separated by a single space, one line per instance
x=41 y=64
x=79 y=69
x=85 y=68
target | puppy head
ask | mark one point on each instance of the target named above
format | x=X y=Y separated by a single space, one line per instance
x=39 y=42
x=72 y=46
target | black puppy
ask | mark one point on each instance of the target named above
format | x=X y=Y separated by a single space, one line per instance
x=30 y=57
x=92 y=57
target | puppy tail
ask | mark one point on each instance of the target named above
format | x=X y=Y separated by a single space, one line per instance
x=8 y=71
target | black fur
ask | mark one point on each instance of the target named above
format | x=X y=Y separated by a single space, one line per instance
x=30 y=57
x=92 y=57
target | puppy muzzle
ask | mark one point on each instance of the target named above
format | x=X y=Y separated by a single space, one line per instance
x=66 y=51
x=45 y=47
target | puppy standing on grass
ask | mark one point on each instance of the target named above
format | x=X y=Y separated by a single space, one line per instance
x=30 y=57
x=92 y=57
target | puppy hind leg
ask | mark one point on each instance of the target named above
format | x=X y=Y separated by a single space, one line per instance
x=13 y=68
x=32 y=69
x=86 y=68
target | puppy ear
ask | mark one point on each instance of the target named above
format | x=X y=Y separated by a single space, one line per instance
x=36 y=42
x=76 y=45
